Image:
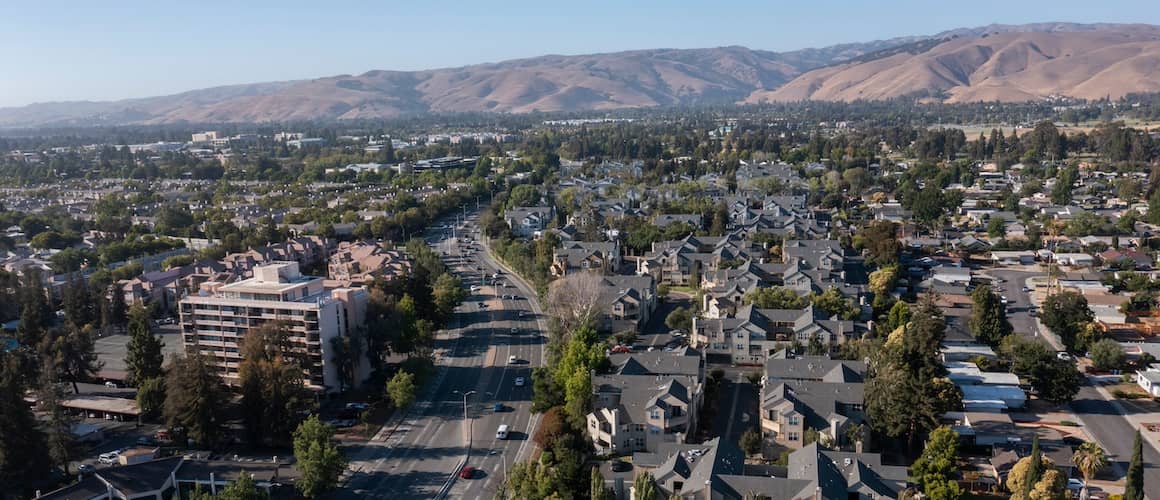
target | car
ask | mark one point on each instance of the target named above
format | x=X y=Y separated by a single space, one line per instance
x=85 y=468
x=1026 y=290
x=520 y=381
x=1063 y=356
x=357 y=406
x=512 y=360
x=483 y=305
x=467 y=472
x=515 y=331
x=110 y=384
x=619 y=466
x=523 y=313
x=109 y=458
x=474 y=288
x=499 y=407
x=146 y=441
x=1074 y=484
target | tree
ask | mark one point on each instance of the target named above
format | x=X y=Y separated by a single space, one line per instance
x=72 y=354
x=1036 y=478
x=777 y=297
x=1089 y=458
x=883 y=281
x=680 y=319
x=272 y=385
x=59 y=424
x=143 y=357
x=882 y=245
x=751 y=442
x=530 y=480
x=597 y=490
x=574 y=300
x=1065 y=313
x=898 y=316
x=935 y=467
x=194 y=398
x=401 y=390
x=448 y=293
x=23 y=456
x=1107 y=354
x=1035 y=467
x=243 y=488
x=988 y=321
x=1056 y=381
x=996 y=228
x=151 y=397
x=1134 y=481
x=319 y=459
x=546 y=393
x=831 y=302
x=34 y=309
x=644 y=487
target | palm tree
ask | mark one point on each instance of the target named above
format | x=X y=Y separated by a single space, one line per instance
x=1089 y=459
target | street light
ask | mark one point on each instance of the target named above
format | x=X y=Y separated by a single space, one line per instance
x=466 y=419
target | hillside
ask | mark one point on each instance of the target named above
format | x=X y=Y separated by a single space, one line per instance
x=1011 y=66
x=997 y=62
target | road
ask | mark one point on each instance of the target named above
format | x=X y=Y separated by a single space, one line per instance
x=419 y=456
x=1101 y=418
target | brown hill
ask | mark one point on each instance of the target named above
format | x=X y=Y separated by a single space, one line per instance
x=1009 y=67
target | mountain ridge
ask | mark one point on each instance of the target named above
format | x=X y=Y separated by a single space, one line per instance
x=649 y=78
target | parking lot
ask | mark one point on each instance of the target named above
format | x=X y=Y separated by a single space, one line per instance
x=111 y=349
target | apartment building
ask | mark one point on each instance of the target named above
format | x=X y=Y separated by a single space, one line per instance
x=216 y=320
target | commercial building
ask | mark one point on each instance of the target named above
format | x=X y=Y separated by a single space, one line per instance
x=217 y=319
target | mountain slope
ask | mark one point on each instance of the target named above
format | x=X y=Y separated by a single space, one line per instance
x=997 y=62
x=1011 y=66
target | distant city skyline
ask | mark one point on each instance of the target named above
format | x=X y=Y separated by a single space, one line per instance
x=74 y=50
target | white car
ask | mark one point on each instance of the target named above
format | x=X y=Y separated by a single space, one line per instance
x=512 y=360
x=474 y=288
x=1074 y=484
x=109 y=458
x=520 y=381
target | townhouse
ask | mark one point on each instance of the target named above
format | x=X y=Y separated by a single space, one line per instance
x=810 y=392
x=753 y=334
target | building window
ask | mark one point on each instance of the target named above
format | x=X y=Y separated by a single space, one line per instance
x=792 y=436
x=740 y=347
x=655 y=414
x=793 y=420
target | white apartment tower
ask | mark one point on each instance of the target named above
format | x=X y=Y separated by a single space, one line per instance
x=216 y=320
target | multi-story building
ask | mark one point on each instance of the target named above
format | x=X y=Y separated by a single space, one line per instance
x=216 y=320
x=811 y=392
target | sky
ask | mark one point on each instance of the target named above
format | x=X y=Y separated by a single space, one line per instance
x=104 y=50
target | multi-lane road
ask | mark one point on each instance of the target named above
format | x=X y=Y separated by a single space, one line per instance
x=421 y=454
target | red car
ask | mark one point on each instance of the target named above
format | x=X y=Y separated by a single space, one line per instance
x=467 y=472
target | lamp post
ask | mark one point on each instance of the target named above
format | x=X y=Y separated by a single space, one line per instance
x=466 y=419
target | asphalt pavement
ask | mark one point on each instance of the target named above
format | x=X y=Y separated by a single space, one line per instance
x=421 y=454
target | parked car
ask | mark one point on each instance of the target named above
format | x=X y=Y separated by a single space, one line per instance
x=1074 y=484
x=85 y=468
x=109 y=458
x=620 y=466
x=146 y=441
x=357 y=406
x=515 y=331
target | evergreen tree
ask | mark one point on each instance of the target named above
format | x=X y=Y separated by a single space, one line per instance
x=72 y=353
x=272 y=384
x=194 y=398
x=143 y=359
x=58 y=426
x=1134 y=482
x=988 y=321
x=23 y=459
x=34 y=309
x=1035 y=468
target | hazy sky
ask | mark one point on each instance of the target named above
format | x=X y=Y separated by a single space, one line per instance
x=97 y=50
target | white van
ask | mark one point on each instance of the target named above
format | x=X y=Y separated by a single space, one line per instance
x=502 y=432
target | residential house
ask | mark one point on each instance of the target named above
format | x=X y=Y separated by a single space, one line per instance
x=359 y=263
x=628 y=302
x=822 y=255
x=753 y=334
x=1149 y=379
x=650 y=398
x=574 y=256
x=717 y=470
x=527 y=222
x=812 y=392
